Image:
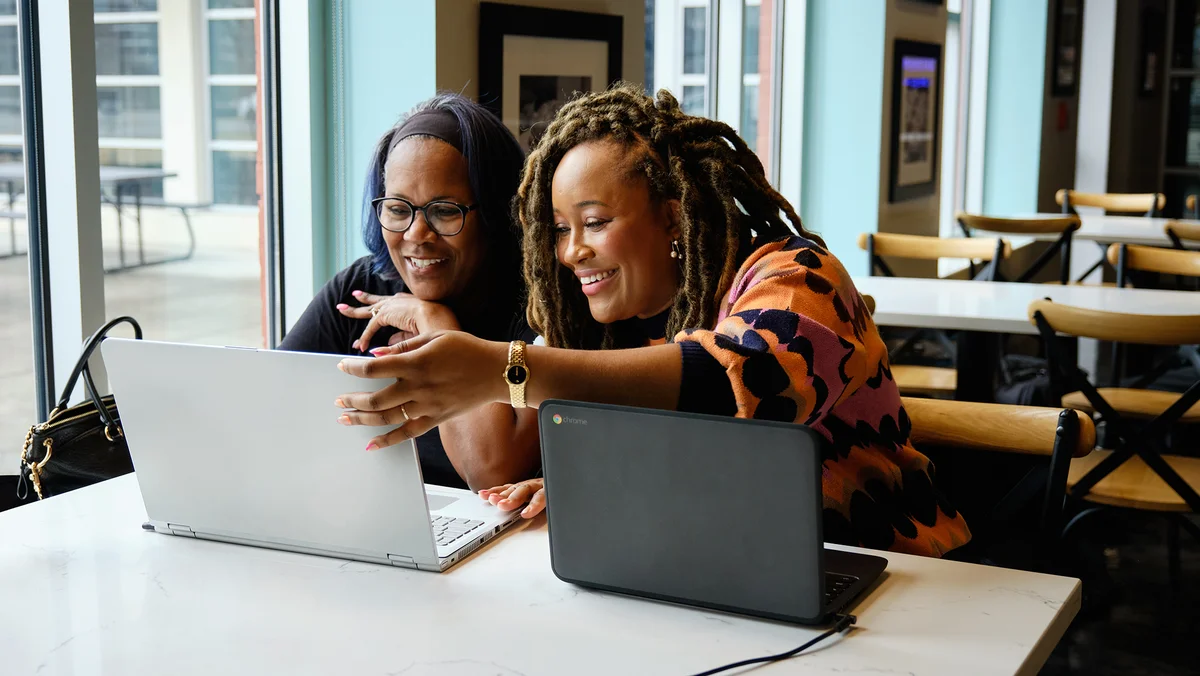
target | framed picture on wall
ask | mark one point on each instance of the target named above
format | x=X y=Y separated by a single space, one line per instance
x=1068 y=34
x=916 y=85
x=531 y=60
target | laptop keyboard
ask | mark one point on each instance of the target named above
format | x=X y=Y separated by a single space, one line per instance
x=448 y=530
x=835 y=584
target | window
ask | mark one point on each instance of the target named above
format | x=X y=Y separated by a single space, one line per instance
x=234 y=176
x=18 y=386
x=754 y=125
x=106 y=6
x=677 y=51
x=129 y=112
x=695 y=34
x=233 y=102
x=10 y=111
x=231 y=46
x=127 y=49
x=233 y=110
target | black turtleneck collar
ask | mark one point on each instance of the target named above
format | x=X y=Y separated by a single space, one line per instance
x=652 y=328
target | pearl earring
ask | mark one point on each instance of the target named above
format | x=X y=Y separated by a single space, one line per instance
x=675 y=252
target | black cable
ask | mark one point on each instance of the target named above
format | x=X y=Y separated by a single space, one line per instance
x=843 y=621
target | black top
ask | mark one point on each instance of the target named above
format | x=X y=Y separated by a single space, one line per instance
x=322 y=329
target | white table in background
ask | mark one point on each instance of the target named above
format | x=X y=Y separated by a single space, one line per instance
x=86 y=591
x=1118 y=229
x=1003 y=307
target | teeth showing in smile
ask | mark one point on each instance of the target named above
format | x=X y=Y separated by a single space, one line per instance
x=592 y=279
x=422 y=263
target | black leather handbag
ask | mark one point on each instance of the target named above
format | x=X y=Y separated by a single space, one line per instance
x=80 y=445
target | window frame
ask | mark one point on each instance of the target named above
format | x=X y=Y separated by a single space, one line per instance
x=212 y=144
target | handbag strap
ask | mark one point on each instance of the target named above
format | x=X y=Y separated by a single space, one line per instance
x=82 y=368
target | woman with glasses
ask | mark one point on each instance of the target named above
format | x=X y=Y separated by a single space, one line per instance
x=443 y=256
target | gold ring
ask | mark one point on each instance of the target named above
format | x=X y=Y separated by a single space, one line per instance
x=374 y=310
x=406 y=418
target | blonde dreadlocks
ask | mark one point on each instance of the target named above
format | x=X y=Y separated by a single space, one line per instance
x=726 y=206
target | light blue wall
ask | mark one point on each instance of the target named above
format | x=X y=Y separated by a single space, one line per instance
x=389 y=66
x=1016 y=84
x=843 y=121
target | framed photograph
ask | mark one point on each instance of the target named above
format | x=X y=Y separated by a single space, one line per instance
x=916 y=85
x=1068 y=36
x=531 y=60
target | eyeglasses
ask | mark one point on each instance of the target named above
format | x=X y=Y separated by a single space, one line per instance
x=397 y=214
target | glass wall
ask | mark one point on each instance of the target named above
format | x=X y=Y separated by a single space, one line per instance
x=187 y=263
x=758 y=39
x=677 y=51
x=17 y=382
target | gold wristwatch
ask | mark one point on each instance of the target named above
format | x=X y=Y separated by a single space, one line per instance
x=516 y=374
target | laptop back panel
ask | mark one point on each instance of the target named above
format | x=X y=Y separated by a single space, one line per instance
x=716 y=512
x=245 y=444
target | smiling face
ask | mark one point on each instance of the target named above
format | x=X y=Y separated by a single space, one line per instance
x=434 y=268
x=612 y=234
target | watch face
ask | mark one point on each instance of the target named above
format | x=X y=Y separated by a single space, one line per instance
x=516 y=374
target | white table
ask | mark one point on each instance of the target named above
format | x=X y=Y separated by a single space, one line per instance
x=1003 y=307
x=1119 y=229
x=86 y=591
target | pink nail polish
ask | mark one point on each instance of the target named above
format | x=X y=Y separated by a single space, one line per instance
x=342 y=306
x=372 y=446
x=339 y=403
x=356 y=294
x=344 y=420
x=378 y=351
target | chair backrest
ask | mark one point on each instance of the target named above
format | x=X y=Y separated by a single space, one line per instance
x=1063 y=226
x=1125 y=203
x=1028 y=430
x=1018 y=226
x=1180 y=232
x=869 y=301
x=1153 y=259
x=932 y=248
x=1119 y=327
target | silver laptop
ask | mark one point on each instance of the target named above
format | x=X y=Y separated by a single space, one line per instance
x=243 y=445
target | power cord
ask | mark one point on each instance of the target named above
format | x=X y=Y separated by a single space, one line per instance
x=843 y=621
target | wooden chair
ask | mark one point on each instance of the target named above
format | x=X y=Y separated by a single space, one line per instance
x=1149 y=204
x=1190 y=205
x=1181 y=233
x=1131 y=257
x=912 y=378
x=1138 y=472
x=1063 y=226
x=1056 y=434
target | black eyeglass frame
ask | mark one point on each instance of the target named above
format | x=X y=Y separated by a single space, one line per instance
x=463 y=209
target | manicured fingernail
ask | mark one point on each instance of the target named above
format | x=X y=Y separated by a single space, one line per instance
x=356 y=294
x=342 y=306
x=372 y=446
x=344 y=420
x=525 y=512
x=341 y=366
x=339 y=403
x=379 y=350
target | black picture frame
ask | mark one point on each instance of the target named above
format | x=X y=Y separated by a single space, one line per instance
x=498 y=20
x=926 y=50
x=1066 y=53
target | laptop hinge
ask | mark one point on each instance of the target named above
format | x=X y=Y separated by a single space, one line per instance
x=177 y=529
x=401 y=560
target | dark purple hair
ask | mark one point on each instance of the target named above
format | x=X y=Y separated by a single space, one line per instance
x=494 y=163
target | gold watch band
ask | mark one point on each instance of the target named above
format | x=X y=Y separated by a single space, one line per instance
x=516 y=373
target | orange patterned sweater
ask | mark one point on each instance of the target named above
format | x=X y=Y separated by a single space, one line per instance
x=797 y=344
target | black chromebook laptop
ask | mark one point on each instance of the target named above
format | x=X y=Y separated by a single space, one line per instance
x=718 y=512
